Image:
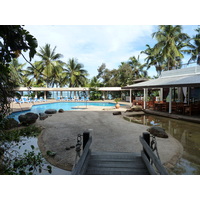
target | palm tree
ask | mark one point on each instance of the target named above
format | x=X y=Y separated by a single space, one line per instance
x=194 y=50
x=152 y=60
x=34 y=72
x=16 y=71
x=50 y=63
x=137 y=67
x=76 y=73
x=170 y=43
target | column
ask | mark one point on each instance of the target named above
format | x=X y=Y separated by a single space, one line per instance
x=145 y=97
x=161 y=94
x=130 y=96
x=170 y=100
x=45 y=95
x=36 y=94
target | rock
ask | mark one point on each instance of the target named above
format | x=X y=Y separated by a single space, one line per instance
x=28 y=118
x=51 y=153
x=158 y=132
x=117 y=113
x=60 y=110
x=10 y=123
x=42 y=116
x=50 y=111
x=136 y=108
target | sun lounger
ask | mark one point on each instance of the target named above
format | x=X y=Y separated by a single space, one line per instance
x=31 y=100
x=42 y=99
x=37 y=100
x=18 y=101
x=25 y=100
x=58 y=99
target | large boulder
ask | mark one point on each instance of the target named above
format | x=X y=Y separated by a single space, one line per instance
x=10 y=123
x=28 y=118
x=136 y=108
x=157 y=132
x=42 y=116
x=50 y=111
x=60 y=110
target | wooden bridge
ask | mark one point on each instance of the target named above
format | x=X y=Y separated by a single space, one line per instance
x=116 y=163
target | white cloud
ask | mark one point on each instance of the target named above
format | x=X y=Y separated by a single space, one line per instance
x=94 y=45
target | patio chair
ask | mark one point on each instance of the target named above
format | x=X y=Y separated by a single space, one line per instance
x=32 y=100
x=18 y=101
x=42 y=99
x=82 y=98
x=86 y=99
x=25 y=100
x=37 y=100
x=58 y=99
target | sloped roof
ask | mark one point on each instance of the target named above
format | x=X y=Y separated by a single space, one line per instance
x=175 y=78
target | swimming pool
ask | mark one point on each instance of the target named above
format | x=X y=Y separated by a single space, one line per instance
x=59 y=105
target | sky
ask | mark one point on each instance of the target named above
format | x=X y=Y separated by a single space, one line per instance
x=93 y=45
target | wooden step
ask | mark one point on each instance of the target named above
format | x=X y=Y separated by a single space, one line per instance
x=115 y=163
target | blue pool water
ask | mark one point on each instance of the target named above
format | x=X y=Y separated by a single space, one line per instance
x=59 y=105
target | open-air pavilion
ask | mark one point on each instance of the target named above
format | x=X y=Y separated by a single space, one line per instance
x=179 y=91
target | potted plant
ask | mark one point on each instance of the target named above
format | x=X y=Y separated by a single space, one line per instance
x=117 y=103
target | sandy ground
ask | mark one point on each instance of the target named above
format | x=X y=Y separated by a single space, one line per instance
x=110 y=133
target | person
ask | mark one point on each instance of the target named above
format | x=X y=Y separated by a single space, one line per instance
x=103 y=98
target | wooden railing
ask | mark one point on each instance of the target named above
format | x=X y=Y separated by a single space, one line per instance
x=81 y=165
x=149 y=157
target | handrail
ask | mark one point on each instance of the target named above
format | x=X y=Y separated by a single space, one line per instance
x=153 y=157
x=82 y=163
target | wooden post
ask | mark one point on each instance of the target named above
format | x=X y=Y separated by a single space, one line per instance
x=146 y=137
x=86 y=136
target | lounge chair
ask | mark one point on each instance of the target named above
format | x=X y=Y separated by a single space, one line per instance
x=18 y=101
x=25 y=100
x=37 y=100
x=82 y=98
x=31 y=100
x=86 y=99
x=66 y=99
x=58 y=99
x=42 y=99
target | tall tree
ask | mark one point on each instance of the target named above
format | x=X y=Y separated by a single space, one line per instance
x=152 y=60
x=77 y=75
x=194 y=49
x=16 y=71
x=170 y=42
x=13 y=41
x=50 y=63
x=137 y=67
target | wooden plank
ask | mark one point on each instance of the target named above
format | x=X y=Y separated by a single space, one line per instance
x=117 y=164
x=112 y=155
x=155 y=160
x=114 y=171
x=146 y=161
x=81 y=161
x=134 y=160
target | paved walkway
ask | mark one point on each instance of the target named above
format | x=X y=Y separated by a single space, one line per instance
x=110 y=133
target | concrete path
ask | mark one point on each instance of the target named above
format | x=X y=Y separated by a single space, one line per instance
x=110 y=133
